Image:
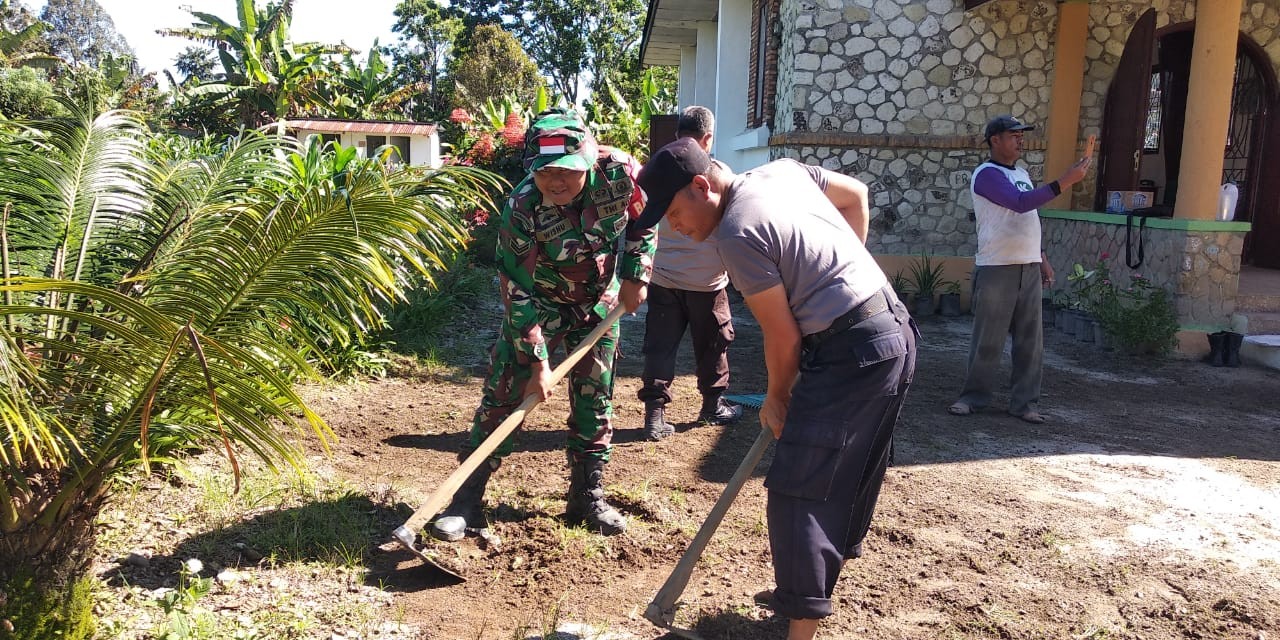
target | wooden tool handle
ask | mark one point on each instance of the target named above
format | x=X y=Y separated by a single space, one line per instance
x=451 y=484
x=662 y=610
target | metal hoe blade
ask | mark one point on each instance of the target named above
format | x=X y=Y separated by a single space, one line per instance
x=662 y=610
x=664 y=619
x=405 y=537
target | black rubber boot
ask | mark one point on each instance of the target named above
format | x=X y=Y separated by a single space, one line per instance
x=467 y=507
x=1218 y=348
x=1231 y=357
x=586 y=504
x=655 y=423
x=717 y=410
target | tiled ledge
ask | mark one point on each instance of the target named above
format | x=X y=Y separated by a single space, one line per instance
x=890 y=141
x=1177 y=224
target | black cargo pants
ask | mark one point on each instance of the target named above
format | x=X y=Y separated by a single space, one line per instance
x=831 y=459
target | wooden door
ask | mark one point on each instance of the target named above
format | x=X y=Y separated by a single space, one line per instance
x=1124 y=121
x=662 y=130
x=1262 y=244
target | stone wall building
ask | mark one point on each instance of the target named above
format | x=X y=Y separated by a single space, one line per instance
x=896 y=92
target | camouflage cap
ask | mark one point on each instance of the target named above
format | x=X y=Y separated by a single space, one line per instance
x=559 y=138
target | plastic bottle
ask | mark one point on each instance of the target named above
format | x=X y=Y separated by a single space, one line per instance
x=1227 y=200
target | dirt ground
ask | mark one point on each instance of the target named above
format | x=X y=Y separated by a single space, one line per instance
x=1147 y=507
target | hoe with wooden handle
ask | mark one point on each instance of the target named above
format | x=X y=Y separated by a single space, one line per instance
x=406 y=533
x=662 y=611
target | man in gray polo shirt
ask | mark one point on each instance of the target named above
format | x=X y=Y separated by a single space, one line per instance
x=687 y=291
x=839 y=348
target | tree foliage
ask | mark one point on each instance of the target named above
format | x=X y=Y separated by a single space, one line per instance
x=197 y=64
x=363 y=91
x=21 y=42
x=492 y=65
x=569 y=39
x=266 y=76
x=26 y=93
x=427 y=31
x=161 y=294
x=81 y=32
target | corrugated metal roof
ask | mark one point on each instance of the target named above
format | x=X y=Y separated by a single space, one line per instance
x=364 y=126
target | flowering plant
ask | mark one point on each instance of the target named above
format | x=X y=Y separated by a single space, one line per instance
x=1089 y=285
x=493 y=141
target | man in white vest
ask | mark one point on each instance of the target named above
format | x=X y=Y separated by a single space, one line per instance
x=1010 y=272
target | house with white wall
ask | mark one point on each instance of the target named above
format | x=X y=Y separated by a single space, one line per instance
x=416 y=143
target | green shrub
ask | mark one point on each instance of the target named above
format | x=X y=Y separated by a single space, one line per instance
x=419 y=321
x=40 y=614
x=1139 y=318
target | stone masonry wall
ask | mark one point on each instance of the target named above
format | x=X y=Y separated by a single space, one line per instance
x=913 y=66
x=920 y=197
x=1201 y=268
x=926 y=71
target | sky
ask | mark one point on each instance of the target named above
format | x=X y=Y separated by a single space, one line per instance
x=329 y=21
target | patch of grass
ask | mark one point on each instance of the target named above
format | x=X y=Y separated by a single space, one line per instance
x=678 y=498
x=312 y=530
x=638 y=493
x=418 y=322
x=336 y=529
x=579 y=540
x=1051 y=540
x=36 y=610
x=546 y=627
x=1093 y=633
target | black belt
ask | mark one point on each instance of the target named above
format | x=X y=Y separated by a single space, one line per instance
x=873 y=306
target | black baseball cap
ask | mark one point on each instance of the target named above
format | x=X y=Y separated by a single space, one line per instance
x=668 y=171
x=1001 y=124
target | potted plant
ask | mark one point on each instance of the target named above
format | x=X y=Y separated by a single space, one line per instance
x=926 y=279
x=949 y=301
x=900 y=285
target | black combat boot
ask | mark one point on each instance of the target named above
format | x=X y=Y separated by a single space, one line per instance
x=1231 y=357
x=1218 y=348
x=586 y=504
x=717 y=410
x=467 y=507
x=655 y=423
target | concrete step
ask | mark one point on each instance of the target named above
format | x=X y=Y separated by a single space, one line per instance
x=1261 y=350
x=1266 y=303
x=1261 y=322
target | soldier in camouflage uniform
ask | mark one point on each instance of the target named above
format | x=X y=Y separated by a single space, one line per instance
x=568 y=251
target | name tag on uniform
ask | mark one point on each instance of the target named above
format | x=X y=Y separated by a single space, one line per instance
x=612 y=208
x=552 y=226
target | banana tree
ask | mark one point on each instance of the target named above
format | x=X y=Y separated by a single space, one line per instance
x=267 y=76
x=368 y=91
x=145 y=307
x=621 y=124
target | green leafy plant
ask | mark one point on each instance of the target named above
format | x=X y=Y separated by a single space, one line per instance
x=951 y=287
x=926 y=276
x=1139 y=318
x=149 y=300
x=618 y=123
x=184 y=619
x=1089 y=286
x=900 y=284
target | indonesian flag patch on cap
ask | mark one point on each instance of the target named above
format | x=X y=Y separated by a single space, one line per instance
x=551 y=145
